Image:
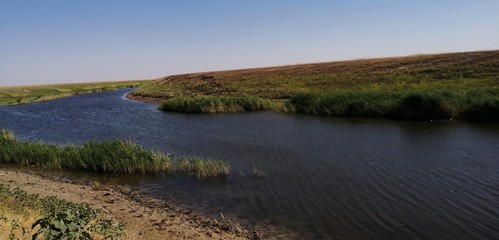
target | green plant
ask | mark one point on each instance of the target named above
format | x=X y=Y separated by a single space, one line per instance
x=61 y=219
x=215 y=104
x=203 y=168
x=473 y=104
x=103 y=157
x=63 y=225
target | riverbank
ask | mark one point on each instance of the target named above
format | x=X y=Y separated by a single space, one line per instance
x=37 y=93
x=142 y=217
x=423 y=87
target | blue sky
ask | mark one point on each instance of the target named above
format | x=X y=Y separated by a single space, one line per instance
x=54 y=41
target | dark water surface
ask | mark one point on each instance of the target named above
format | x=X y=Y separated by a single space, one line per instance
x=325 y=178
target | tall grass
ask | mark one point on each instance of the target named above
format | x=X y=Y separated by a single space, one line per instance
x=472 y=105
x=202 y=168
x=103 y=157
x=215 y=104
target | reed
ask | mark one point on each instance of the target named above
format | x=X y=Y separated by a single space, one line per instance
x=207 y=104
x=203 y=168
x=103 y=157
x=472 y=105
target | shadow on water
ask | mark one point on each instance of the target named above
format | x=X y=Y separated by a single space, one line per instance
x=323 y=178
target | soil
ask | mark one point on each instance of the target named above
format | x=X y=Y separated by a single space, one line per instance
x=144 y=218
x=143 y=98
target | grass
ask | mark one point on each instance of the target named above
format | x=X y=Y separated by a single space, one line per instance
x=203 y=168
x=103 y=157
x=471 y=105
x=28 y=216
x=28 y=94
x=215 y=104
x=472 y=77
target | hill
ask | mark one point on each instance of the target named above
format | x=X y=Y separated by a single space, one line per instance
x=459 y=70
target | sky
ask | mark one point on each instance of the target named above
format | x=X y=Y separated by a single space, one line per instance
x=58 y=41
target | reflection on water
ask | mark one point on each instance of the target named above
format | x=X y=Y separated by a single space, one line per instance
x=328 y=178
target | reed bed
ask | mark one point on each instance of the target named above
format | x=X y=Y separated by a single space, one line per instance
x=103 y=157
x=202 y=168
x=472 y=105
x=207 y=104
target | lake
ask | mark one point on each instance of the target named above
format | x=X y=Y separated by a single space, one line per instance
x=323 y=177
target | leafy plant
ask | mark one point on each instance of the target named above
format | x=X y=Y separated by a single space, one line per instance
x=63 y=225
x=207 y=104
x=60 y=219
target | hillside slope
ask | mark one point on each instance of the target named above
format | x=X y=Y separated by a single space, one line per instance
x=454 y=70
x=423 y=87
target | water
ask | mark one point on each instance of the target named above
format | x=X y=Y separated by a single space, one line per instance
x=325 y=178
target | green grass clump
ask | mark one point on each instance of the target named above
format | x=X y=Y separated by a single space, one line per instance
x=203 y=168
x=473 y=105
x=102 y=157
x=59 y=219
x=482 y=107
x=215 y=104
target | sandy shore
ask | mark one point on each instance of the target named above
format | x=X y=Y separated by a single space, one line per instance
x=144 y=218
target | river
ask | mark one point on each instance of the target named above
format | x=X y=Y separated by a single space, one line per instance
x=323 y=177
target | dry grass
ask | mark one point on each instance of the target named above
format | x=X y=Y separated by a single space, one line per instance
x=15 y=223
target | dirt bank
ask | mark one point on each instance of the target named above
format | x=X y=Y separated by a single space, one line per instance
x=144 y=218
x=144 y=98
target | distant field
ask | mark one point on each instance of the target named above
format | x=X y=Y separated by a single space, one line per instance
x=454 y=84
x=36 y=93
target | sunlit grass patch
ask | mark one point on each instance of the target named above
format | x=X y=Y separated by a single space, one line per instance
x=203 y=168
x=207 y=104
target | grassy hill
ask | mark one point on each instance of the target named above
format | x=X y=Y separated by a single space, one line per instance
x=456 y=70
x=422 y=87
